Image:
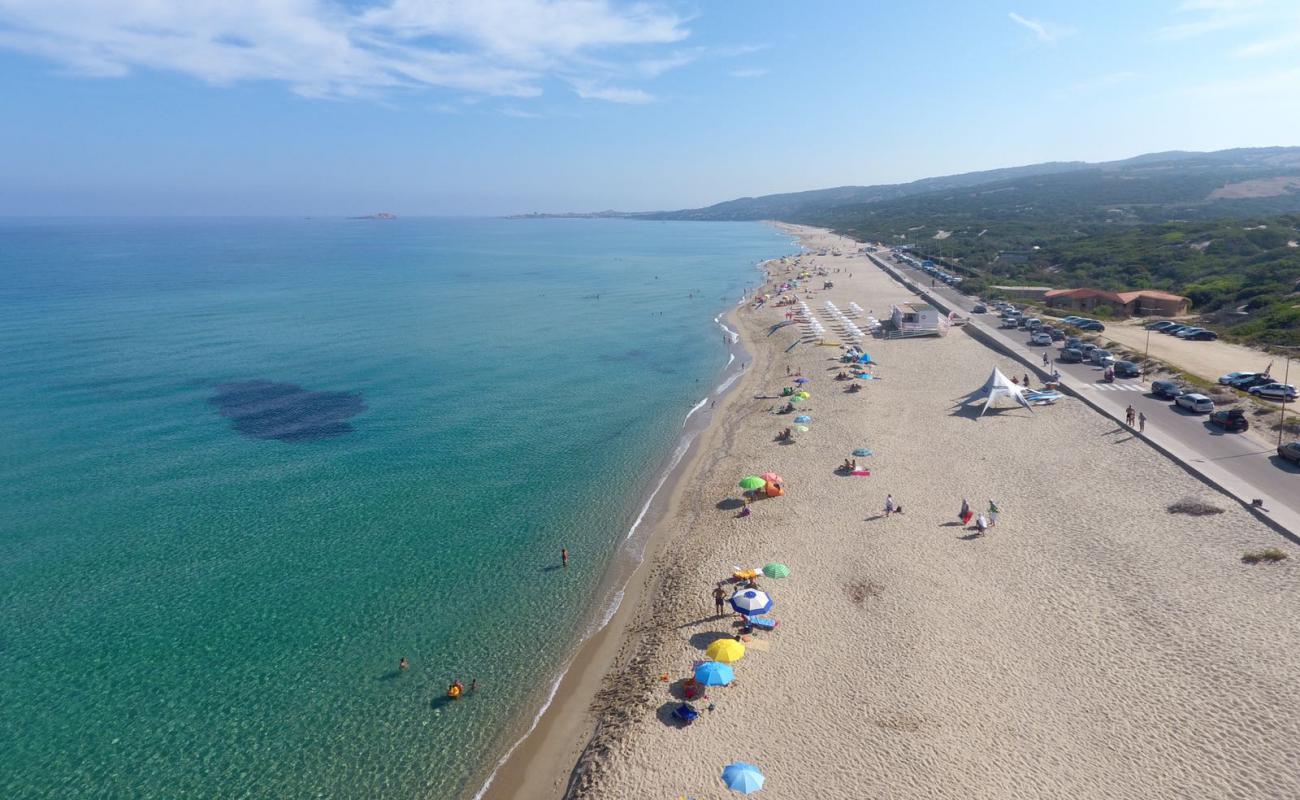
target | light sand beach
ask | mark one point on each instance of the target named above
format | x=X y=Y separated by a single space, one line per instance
x=1092 y=644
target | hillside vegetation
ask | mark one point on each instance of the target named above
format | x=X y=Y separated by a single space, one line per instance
x=1221 y=228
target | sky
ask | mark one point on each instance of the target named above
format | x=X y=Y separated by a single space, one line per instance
x=480 y=107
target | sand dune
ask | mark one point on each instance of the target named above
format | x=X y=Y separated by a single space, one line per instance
x=1093 y=645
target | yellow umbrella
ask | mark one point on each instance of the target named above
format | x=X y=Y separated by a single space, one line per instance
x=804 y=395
x=726 y=651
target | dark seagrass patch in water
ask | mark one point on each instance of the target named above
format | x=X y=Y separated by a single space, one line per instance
x=286 y=412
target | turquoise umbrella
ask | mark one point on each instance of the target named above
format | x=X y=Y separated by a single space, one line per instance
x=711 y=673
x=742 y=777
x=862 y=452
x=803 y=419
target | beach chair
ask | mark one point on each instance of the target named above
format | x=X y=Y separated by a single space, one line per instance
x=764 y=623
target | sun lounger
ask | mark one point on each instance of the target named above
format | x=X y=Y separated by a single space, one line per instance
x=764 y=623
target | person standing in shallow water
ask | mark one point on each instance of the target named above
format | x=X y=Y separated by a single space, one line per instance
x=564 y=557
x=403 y=665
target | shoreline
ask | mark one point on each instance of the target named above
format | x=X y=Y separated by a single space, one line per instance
x=948 y=665
x=541 y=759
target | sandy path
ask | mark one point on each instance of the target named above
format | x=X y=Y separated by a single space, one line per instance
x=1092 y=645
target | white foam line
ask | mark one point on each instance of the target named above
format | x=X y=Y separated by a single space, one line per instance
x=677 y=459
x=735 y=337
x=550 y=698
x=693 y=410
x=727 y=383
x=730 y=358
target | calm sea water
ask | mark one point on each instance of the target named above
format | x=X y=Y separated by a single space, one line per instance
x=246 y=465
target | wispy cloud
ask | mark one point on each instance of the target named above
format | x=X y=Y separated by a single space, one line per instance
x=1199 y=17
x=753 y=72
x=330 y=48
x=1047 y=32
x=1273 y=45
x=1284 y=85
x=519 y=113
x=1106 y=81
x=613 y=94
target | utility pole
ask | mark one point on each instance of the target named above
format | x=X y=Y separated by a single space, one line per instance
x=1281 y=423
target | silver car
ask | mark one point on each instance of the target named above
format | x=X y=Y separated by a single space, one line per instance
x=1195 y=403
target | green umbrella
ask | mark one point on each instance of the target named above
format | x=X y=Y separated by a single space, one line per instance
x=776 y=571
x=796 y=399
x=752 y=482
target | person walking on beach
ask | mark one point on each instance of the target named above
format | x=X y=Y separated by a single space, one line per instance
x=1142 y=422
x=993 y=513
x=1026 y=380
x=965 y=513
x=889 y=505
x=719 y=594
x=564 y=557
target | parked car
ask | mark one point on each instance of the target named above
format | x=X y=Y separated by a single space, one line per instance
x=1057 y=335
x=1246 y=384
x=980 y=308
x=1041 y=339
x=1091 y=325
x=1069 y=355
x=1033 y=323
x=1070 y=320
x=1101 y=357
x=1202 y=336
x=1232 y=420
x=1008 y=322
x=1173 y=330
x=1086 y=348
x=1227 y=380
x=1274 y=391
x=1166 y=390
x=1290 y=451
x=1161 y=325
x=1073 y=341
x=1127 y=369
x=1196 y=403
x=1185 y=332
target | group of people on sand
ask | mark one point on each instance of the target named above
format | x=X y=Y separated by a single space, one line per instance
x=983 y=521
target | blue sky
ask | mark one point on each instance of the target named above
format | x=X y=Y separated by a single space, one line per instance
x=289 y=107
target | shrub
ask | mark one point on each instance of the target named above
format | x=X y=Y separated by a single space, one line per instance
x=1194 y=507
x=1273 y=554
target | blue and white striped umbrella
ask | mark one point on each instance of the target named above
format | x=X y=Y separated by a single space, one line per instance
x=751 y=601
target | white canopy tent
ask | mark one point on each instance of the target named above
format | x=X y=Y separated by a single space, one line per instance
x=997 y=387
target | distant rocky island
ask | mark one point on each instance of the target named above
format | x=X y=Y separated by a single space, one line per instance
x=380 y=215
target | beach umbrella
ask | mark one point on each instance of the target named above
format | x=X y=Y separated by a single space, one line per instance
x=752 y=482
x=775 y=570
x=726 y=651
x=803 y=419
x=802 y=380
x=804 y=395
x=742 y=777
x=866 y=358
x=794 y=398
x=773 y=477
x=862 y=452
x=751 y=601
x=801 y=428
x=711 y=673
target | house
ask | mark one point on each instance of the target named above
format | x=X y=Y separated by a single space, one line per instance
x=1124 y=304
x=919 y=319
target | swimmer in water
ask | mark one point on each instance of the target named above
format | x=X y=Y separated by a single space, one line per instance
x=403 y=665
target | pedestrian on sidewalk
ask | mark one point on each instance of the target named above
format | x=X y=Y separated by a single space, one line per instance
x=1044 y=359
x=1142 y=423
x=1130 y=416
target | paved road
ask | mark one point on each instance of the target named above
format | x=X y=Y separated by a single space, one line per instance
x=1242 y=464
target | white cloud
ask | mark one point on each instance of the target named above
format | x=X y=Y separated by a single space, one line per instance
x=520 y=113
x=1045 y=31
x=748 y=73
x=1272 y=46
x=1211 y=16
x=330 y=48
x=613 y=94
x=1282 y=86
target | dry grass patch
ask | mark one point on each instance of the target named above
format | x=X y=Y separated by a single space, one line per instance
x=1194 y=506
x=1272 y=555
x=860 y=591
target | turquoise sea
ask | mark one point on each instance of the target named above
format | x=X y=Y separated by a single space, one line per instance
x=247 y=465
